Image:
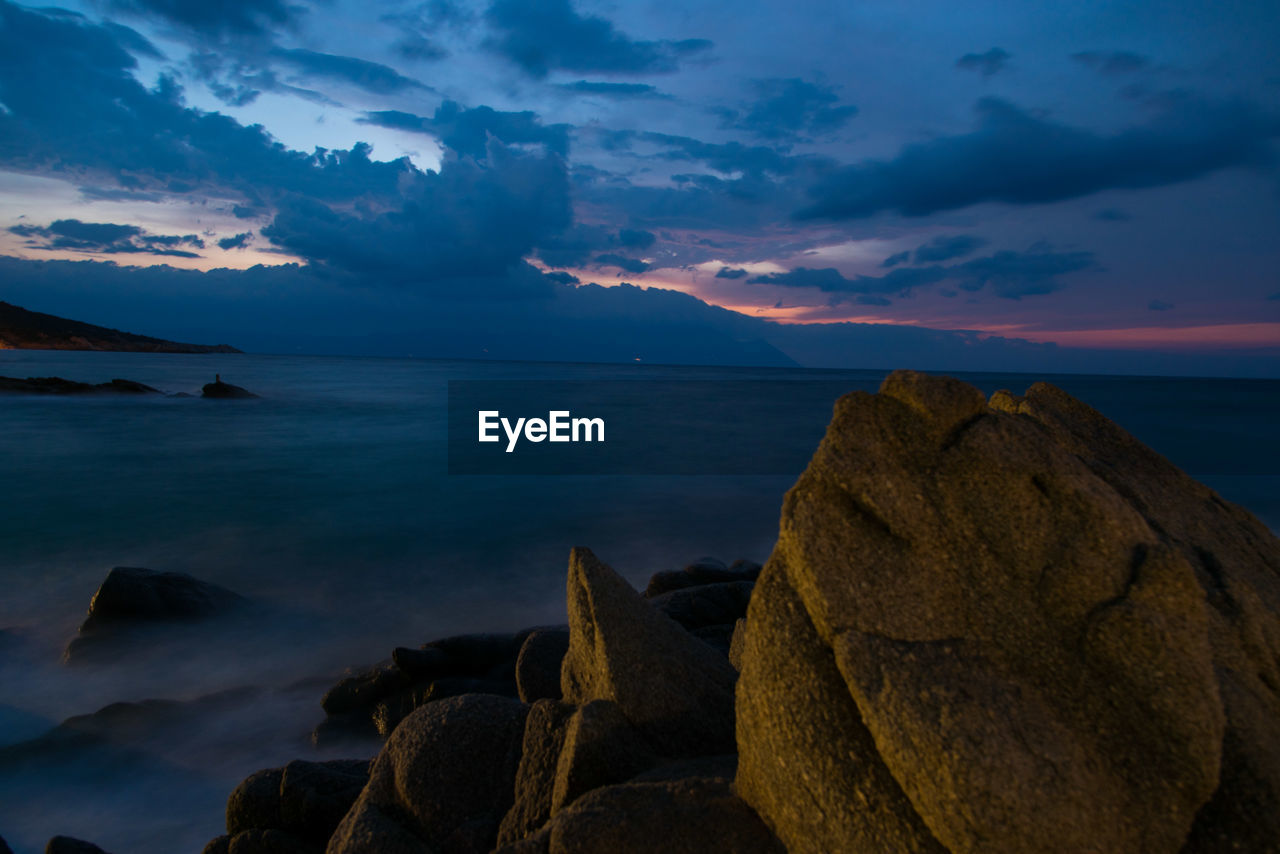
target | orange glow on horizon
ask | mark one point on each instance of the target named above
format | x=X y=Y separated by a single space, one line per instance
x=1234 y=336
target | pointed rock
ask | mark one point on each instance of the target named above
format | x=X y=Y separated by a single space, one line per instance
x=672 y=687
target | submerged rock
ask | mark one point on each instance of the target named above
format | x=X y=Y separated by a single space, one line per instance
x=1009 y=627
x=59 y=386
x=225 y=391
x=131 y=596
x=676 y=690
x=68 y=845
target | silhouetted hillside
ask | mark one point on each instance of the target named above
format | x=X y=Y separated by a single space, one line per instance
x=30 y=330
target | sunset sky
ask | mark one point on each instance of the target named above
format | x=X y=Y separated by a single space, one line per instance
x=1094 y=174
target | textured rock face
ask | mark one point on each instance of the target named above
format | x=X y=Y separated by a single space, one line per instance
x=673 y=688
x=442 y=783
x=1009 y=627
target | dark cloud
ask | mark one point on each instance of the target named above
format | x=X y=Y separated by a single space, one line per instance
x=867 y=299
x=622 y=262
x=723 y=157
x=75 y=107
x=370 y=76
x=897 y=258
x=1013 y=275
x=468 y=220
x=1159 y=305
x=731 y=273
x=237 y=82
x=252 y=17
x=1112 y=61
x=467 y=131
x=545 y=35
x=133 y=41
x=947 y=248
x=118 y=194
x=787 y=107
x=1017 y=157
x=1007 y=274
x=239 y=241
x=105 y=238
x=613 y=90
x=986 y=64
x=825 y=279
x=633 y=238
x=578 y=244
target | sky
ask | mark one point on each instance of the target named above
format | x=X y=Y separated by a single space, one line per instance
x=996 y=185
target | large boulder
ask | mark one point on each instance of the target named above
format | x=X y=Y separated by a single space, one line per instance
x=687 y=816
x=674 y=689
x=442 y=783
x=130 y=597
x=1009 y=627
x=305 y=800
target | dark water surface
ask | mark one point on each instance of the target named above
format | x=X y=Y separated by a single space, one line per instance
x=329 y=504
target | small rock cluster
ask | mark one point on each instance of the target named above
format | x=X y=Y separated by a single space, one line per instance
x=635 y=689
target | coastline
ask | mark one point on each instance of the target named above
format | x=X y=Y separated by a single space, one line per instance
x=596 y=721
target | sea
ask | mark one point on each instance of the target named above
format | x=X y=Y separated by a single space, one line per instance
x=329 y=504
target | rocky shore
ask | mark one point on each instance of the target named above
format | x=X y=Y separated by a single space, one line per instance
x=216 y=390
x=994 y=625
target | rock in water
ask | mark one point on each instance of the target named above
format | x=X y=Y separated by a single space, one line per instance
x=131 y=596
x=68 y=845
x=225 y=391
x=676 y=690
x=1009 y=627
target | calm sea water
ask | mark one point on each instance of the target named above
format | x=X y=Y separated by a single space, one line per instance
x=327 y=502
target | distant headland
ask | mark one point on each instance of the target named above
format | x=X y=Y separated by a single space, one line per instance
x=21 y=329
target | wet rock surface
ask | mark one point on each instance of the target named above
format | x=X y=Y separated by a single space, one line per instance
x=60 y=386
x=218 y=390
x=132 y=597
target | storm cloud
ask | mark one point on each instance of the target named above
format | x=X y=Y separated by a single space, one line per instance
x=541 y=36
x=1017 y=157
x=106 y=238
